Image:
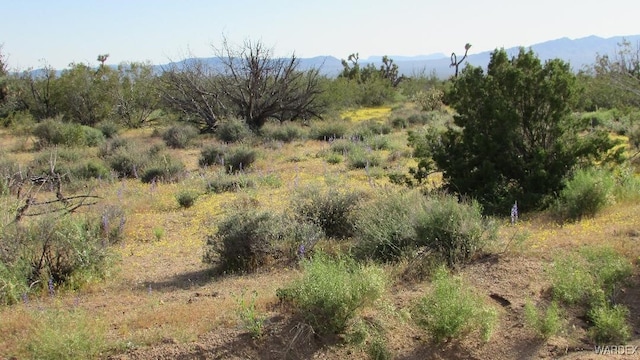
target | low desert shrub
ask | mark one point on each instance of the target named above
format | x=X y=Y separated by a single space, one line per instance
x=186 y=198
x=546 y=323
x=455 y=230
x=610 y=324
x=162 y=168
x=332 y=291
x=55 y=132
x=330 y=209
x=586 y=193
x=328 y=130
x=451 y=310
x=385 y=226
x=285 y=132
x=239 y=158
x=67 y=335
x=223 y=182
x=231 y=130
x=245 y=240
x=362 y=158
x=179 y=136
x=212 y=155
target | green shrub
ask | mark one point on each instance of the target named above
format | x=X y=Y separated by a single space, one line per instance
x=212 y=155
x=108 y=128
x=285 y=132
x=590 y=276
x=362 y=159
x=251 y=319
x=14 y=283
x=333 y=158
x=370 y=128
x=180 y=136
x=232 y=130
x=90 y=169
x=55 y=132
x=67 y=335
x=332 y=291
x=239 y=158
x=545 y=324
x=455 y=230
x=328 y=130
x=245 y=240
x=378 y=142
x=186 y=198
x=343 y=146
x=429 y=100
x=330 y=209
x=610 y=325
x=223 y=182
x=451 y=310
x=164 y=168
x=585 y=194
x=385 y=227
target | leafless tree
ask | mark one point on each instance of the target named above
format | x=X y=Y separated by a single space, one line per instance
x=247 y=82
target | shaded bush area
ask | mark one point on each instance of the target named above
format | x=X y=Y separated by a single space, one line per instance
x=249 y=238
x=333 y=291
x=283 y=131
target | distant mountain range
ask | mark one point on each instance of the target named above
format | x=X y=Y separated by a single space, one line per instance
x=578 y=52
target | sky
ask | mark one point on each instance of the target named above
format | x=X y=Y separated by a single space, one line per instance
x=34 y=33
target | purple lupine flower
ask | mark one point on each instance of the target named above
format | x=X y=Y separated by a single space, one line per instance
x=301 y=250
x=25 y=298
x=514 y=213
x=52 y=291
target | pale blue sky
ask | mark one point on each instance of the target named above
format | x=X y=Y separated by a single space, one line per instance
x=63 y=31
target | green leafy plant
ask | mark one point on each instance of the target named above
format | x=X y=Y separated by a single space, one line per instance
x=251 y=319
x=547 y=323
x=586 y=193
x=186 y=198
x=610 y=324
x=231 y=130
x=330 y=209
x=179 y=136
x=451 y=310
x=332 y=291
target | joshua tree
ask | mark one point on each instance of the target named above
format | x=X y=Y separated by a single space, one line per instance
x=454 y=58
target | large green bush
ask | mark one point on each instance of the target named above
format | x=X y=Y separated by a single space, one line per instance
x=232 y=130
x=332 y=291
x=515 y=138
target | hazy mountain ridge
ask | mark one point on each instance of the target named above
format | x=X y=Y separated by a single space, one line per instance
x=578 y=52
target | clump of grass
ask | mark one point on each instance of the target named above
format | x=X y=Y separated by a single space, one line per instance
x=251 y=319
x=223 y=182
x=333 y=158
x=245 y=241
x=451 y=310
x=547 y=323
x=332 y=291
x=361 y=158
x=234 y=159
x=186 y=198
x=67 y=335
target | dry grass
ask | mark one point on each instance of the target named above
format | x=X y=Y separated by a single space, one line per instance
x=162 y=293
